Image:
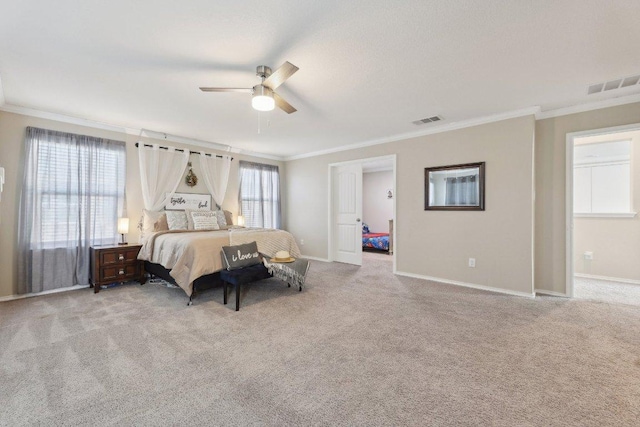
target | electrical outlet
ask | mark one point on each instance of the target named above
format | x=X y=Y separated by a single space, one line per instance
x=472 y=262
x=301 y=242
x=588 y=255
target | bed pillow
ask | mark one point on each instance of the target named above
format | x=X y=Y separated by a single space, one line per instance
x=228 y=216
x=161 y=224
x=204 y=220
x=177 y=220
x=149 y=221
x=365 y=228
x=222 y=220
x=189 y=218
x=241 y=256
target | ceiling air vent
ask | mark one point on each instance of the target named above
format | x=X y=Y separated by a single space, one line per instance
x=613 y=84
x=428 y=120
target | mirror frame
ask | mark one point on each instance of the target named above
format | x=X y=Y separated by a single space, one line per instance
x=481 y=173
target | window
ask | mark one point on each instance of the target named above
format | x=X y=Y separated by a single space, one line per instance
x=80 y=192
x=77 y=186
x=260 y=195
x=602 y=178
x=72 y=195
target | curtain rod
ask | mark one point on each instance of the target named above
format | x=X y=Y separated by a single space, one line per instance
x=181 y=150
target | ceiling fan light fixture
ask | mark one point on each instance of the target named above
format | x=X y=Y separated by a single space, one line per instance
x=262 y=99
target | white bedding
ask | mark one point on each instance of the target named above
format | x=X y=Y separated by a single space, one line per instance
x=189 y=254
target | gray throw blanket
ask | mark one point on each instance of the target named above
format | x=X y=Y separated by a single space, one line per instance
x=294 y=273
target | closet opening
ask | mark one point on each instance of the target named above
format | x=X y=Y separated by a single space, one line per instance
x=603 y=239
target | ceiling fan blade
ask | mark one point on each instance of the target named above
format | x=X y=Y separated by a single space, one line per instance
x=279 y=76
x=283 y=105
x=227 y=89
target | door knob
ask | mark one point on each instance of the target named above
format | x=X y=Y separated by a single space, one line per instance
x=357 y=219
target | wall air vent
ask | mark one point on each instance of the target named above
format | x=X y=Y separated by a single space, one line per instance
x=428 y=120
x=613 y=84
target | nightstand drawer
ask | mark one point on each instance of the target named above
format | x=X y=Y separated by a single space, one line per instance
x=120 y=272
x=118 y=256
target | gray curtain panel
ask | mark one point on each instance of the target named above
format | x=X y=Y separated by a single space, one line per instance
x=73 y=193
x=259 y=196
x=462 y=191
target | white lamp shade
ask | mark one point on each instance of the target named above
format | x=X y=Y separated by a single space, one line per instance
x=263 y=103
x=240 y=220
x=123 y=225
x=262 y=98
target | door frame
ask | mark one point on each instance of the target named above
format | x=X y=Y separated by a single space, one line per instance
x=330 y=224
x=570 y=143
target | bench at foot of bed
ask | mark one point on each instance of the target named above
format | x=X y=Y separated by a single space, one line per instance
x=242 y=276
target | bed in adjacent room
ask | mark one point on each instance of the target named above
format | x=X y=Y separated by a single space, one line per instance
x=381 y=241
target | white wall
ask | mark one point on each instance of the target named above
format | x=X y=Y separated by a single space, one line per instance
x=439 y=243
x=377 y=209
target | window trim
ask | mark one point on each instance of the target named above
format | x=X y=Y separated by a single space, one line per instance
x=605 y=215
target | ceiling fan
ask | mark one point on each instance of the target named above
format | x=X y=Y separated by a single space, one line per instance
x=263 y=96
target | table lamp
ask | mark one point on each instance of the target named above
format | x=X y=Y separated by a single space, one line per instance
x=123 y=228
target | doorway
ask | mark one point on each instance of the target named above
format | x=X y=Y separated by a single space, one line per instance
x=603 y=228
x=346 y=203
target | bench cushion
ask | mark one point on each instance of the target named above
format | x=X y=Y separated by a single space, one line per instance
x=245 y=275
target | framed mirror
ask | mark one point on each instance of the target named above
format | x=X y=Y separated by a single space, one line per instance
x=454 y=188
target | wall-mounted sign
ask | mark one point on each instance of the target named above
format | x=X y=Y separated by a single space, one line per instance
x=182 y=201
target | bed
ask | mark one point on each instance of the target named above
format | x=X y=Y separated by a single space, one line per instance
x=192 y=259
x=382 y=241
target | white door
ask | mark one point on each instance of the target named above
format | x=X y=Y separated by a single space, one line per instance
x=347 y=217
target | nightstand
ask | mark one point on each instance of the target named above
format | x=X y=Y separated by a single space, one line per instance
x=115 y=263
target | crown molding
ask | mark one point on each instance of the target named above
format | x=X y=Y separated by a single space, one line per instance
x=531 y=111
x=536 y=111
x=32 y=112
x=581 y=108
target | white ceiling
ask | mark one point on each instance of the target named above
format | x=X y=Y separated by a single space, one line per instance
x=367 y=68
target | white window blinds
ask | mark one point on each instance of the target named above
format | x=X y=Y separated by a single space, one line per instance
x=260 y=194
x=80 y=190
x=73 y=193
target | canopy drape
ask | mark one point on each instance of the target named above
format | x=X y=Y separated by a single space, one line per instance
x=215 y=173
x=160 y=174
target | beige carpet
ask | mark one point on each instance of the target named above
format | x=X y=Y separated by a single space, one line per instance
x=606 y=291
x=358 y=346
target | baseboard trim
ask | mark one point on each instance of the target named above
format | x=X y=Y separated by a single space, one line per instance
x=467 y=285
x=550 y=293
x=37 y=294
x=608 y=279
x=314 y=258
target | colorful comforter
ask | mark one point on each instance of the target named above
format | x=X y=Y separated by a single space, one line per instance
x=376 y=241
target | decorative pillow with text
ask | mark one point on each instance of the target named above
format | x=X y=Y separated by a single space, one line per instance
x=204 y=220
x=240 y=256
